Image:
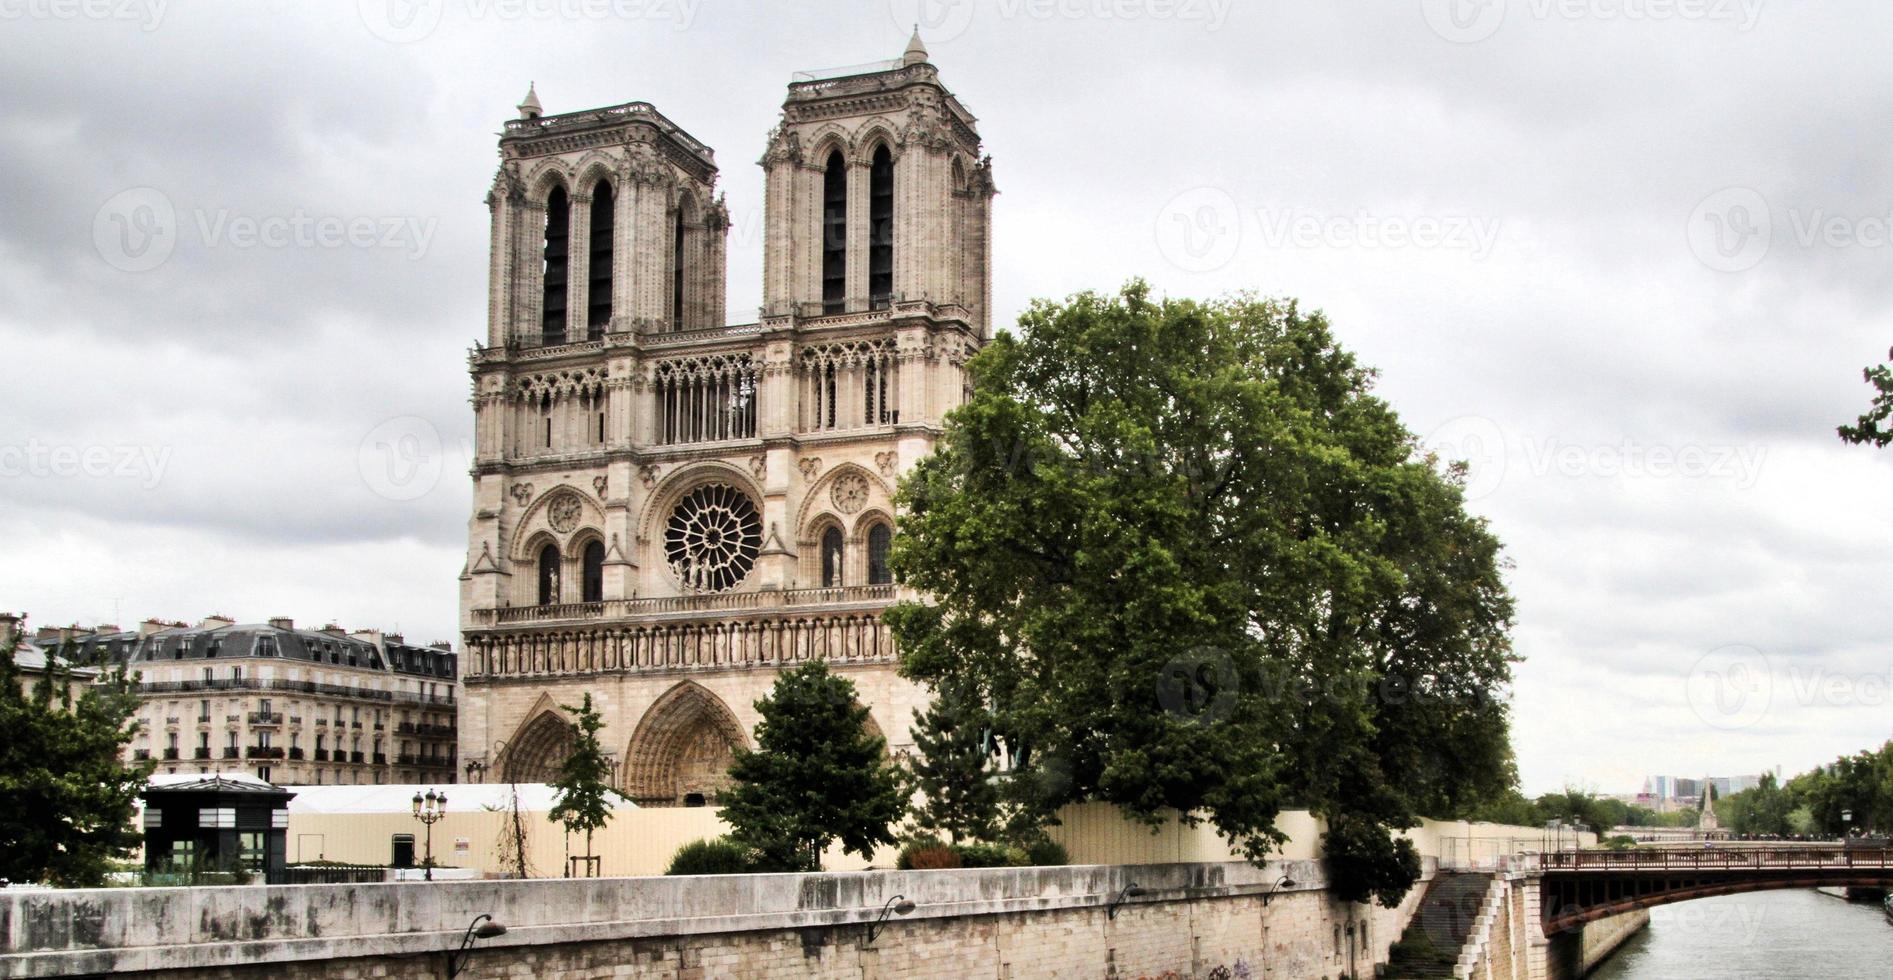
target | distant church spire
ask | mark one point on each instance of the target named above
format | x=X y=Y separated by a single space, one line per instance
x=529 y=108
x=916 y=53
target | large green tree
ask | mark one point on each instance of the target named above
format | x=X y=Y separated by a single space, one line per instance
x=584 y=778
x=952 y=772
x=66 y=801
x=1195 y=565
x=1873 y=426
x=817 y=775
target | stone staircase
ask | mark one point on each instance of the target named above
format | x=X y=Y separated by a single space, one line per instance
x=1449 y=913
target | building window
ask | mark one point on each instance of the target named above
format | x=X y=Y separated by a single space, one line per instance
x=706 y=399
x=831 y=558
x=677 y=273
x=881 y=230
x=879 y=538
x=598 y=309
x=594 y=572
x=549 y=575
x=835 y=235
x=558 y=231
x=713 y=537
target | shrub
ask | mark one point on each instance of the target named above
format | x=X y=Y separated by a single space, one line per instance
x=1046 y=853
x=990 y=856
x=926 y=854
x=716 y=856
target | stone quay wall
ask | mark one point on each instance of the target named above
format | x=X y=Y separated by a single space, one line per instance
x=1009 y=922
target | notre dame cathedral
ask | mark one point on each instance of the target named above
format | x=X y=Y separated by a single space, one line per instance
x=668 y=510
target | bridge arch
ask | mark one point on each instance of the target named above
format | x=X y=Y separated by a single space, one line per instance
x=1582 y=887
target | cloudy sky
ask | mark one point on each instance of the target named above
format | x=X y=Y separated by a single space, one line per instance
x=1626 y=256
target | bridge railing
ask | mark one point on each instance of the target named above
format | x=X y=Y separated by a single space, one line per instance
x=1716 y=859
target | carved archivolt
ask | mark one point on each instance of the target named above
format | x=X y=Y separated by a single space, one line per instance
x=681 y=747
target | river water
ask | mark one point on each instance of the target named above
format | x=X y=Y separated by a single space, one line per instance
x=1769 y=935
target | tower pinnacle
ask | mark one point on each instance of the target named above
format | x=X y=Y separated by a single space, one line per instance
x=529 y=108
x=916 y=52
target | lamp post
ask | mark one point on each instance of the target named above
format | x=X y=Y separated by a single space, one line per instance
x=898 y=905
x=482 y=927
x=1280 y=883
x=428 y=810
x=1132 y=890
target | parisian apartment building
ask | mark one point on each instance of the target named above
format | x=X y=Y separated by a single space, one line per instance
x=290 y=706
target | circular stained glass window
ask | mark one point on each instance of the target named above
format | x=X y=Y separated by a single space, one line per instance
x=713 y=537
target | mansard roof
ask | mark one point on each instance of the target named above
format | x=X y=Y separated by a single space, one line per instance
x=215 y=641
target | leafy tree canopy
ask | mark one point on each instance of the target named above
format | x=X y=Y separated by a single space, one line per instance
x=817 y=775
x=1872 y=427
x=66 y=802
x=1192 y=564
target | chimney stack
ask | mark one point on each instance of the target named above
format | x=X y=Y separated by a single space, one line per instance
x=216 y=621
x=282 y=622
x=151 y=626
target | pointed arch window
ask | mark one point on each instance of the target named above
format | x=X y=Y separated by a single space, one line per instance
x=835 y=235
x=831 y=558
x=558 y=233
x=594 y=572
x=598 y=307
x=677 y=272
x=880 y=537
x=549 y=575
x=881 y=229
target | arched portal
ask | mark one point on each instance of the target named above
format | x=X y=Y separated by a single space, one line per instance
x=682 y=749
x=535 y=754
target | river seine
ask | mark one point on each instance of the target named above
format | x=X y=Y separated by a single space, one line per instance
x=1763 y=934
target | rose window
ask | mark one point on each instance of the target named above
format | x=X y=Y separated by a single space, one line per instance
x=713 y=537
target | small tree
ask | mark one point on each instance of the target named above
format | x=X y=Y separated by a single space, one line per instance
x=584 y=779
x=951 y=772
x=816 y=776
x=66 y=801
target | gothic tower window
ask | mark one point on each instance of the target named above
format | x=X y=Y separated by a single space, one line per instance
x=835 y=235
x=594 y=574
x=705 y=399
x=558 y=231
x=549 y=575
x=677 y=273
x=831 y=558
x=598 y=313
x=879 y=538
x=881 y=229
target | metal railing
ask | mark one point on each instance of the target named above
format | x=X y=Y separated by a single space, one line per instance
x=303 y=687
x=715 y=602
x=266 y=718
x=1719 y=859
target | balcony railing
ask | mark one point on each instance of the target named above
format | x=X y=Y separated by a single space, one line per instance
x=408 y=759
x=266 y=718
x=356 y=757
x=168 y=721
x=322 y=755
x=200 y=753
x=301 y=687
x=203 y=719
x=231 y=752
x=380 y=759
x=265 y=751
x=170 y=754
x=295 y=752
x=141 y=754
x=717 y=602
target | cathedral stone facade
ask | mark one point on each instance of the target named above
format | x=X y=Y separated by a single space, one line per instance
x=669 y=510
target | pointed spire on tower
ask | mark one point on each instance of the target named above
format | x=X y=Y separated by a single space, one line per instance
x=529 y=108
x=916 y=53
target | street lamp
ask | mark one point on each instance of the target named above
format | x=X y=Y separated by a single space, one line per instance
x=898 y=905
x=1132 y=890
x=428 y=810
x=482 y=927
x=1280 y=883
